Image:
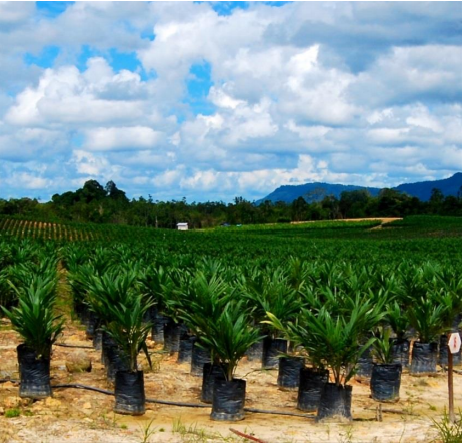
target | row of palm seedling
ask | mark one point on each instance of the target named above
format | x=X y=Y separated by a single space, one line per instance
x=334 y=321
x=257 y=293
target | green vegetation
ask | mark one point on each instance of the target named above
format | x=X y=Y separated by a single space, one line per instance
x=97 y=204
x=33 y=317
x=448 y=432
x=12 y=413
x=324 y=285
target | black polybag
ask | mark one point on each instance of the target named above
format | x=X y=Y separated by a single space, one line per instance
x=185 y=348
x=365 y=364
x=199 y=357
x=400 y=350
x=335 y=403
x=272 y=350
x=312 y=382
x=255 y=352
x=210 y=373
x=129 y=393
x=158 y=325
x=386 y=381
x=228 y=400
x=34 y=374
x=424 y=358
x=172 y=333
x=289 y=371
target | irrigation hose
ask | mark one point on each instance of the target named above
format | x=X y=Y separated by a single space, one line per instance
x=64 y=345
x=176 y=403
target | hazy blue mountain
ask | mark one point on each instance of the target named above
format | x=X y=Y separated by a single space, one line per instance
x=423 y=190
x=317 y=191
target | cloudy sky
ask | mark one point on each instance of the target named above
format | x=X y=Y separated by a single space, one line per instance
x=212 y=100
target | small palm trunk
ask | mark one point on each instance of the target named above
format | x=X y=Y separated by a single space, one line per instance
x=228 y=400
x=35 y=374
x=129 y=393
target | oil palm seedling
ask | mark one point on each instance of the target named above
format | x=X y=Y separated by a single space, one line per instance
x=228 y=334
x=386 y=374
x=272 y=292
x=122 y=308
x=153 y=279
x=199 y=296
x=331 y=336
x=33 y=318
x=426 y=317
x=398 y=320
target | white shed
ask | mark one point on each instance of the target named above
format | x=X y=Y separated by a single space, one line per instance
x=182 y=226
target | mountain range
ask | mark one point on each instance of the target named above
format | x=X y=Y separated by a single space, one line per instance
x=317 y=191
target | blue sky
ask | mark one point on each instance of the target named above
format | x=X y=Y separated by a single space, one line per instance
x=212 y=100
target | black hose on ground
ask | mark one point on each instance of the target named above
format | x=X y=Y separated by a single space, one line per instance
x=166 y=402
x=64 y=345
x=182 y=404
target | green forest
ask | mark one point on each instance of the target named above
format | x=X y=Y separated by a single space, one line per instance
x=108 y=204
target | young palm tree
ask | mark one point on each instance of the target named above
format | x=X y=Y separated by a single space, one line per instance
x=116 y=300
x=33 y=318
x=331 y=336
x=386 y=374
x=229 y=334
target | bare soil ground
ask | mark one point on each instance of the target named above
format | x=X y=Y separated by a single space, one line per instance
x=74 y=415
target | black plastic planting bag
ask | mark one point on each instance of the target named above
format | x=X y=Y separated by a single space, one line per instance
x=272 y=350
x=34 y=374
x=255 y=352
x=98 y=340
x=365 y=364
x=335 y=403
x=199 y=357
x=385 y=382
x=106 y=342
x=210 y=373
x=80 y=310
x=400 y=350
x=158 y=323
x=91 y=325
x=115 y=361
x=444 y=351
x=312 y=382
x=172 y=332
x=228 y=400
x=129 y=393
x=185 y=349
x=424 y=357
x=289 y=372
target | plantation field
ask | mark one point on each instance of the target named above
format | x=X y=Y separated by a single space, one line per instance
x=295 y=272
x=75 y=415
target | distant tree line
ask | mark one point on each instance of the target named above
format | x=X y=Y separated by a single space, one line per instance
x=108 y=204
